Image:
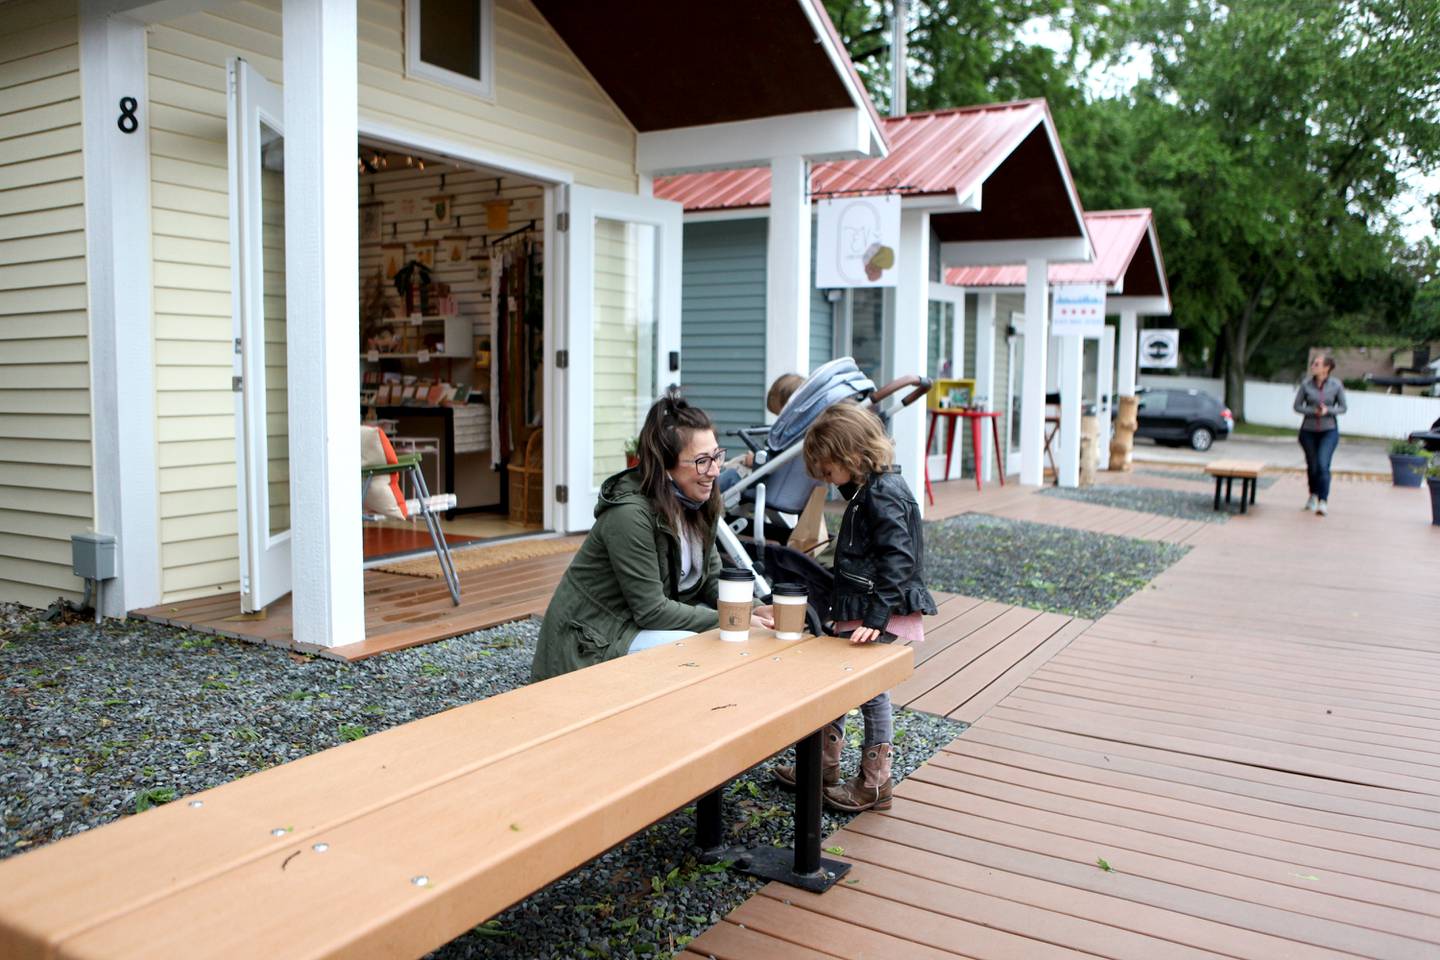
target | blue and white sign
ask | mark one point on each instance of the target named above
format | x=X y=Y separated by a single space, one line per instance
x=1160 y=349
x=1078 y=310
x=856 y=240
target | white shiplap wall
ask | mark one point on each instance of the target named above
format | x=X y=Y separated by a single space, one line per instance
x=547 y=109
x=46 y=479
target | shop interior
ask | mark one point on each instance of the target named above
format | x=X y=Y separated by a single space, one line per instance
x=451 y=342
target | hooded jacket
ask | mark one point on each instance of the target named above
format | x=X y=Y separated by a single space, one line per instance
x=624 y=579
x=880 y=555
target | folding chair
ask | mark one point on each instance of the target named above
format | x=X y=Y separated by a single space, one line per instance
x=409 y=464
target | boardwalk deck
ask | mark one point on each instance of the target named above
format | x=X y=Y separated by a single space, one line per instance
x=1252 y=748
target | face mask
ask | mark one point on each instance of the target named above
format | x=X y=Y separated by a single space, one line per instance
x=686 y=502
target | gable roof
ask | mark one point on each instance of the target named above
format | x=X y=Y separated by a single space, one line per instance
x=1127 y=259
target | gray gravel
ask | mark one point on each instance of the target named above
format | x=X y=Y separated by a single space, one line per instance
x=1040 y=566
x=1198 y=475
x=1199 y=505
x=96 y=722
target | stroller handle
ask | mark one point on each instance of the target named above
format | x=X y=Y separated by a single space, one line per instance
x=921 y=385
x=748 y=435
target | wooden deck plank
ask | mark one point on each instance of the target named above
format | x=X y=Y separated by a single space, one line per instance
x=730 y=941
x=982 y=701
x=954 y=691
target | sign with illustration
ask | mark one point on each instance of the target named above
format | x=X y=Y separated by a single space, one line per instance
x=1160 y=349
x=855 y=242
x=1078 y=310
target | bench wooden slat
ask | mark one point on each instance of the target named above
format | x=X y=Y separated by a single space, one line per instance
x=54 y=891
x=1235 y=468
x=488 y=838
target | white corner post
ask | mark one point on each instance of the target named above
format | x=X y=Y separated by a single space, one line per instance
x=909 y=338
x=1072 y=370
x=322 y=283
x=1032 y=390
x=787 y=274
x=1105 y=389
x=1128 y=342
x=985 y=379
x=122 y=364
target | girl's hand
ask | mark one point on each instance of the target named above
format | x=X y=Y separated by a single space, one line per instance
x=763 y=617
x=865 y=635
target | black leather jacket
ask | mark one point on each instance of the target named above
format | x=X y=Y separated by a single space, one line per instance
x=880 y=554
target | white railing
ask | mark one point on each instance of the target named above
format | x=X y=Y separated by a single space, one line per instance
x=1369 y=414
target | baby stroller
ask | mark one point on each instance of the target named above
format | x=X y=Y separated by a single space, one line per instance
x=779 y=485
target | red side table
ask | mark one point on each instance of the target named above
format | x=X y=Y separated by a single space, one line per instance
x=974 y=416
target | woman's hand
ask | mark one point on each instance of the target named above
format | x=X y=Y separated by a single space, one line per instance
x=865 y=635
x=763 y=617
x=1320 y=409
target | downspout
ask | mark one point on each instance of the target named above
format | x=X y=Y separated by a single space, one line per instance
x=897 y=60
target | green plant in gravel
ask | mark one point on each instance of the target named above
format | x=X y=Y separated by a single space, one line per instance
x=248 y=734
x=352 y=731
x=432 y=669
x=153 y=797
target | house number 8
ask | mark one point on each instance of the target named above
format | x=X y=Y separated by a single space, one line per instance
x=127 y=121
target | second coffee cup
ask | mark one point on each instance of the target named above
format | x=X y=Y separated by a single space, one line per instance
x=737 y=589
x=790 y=600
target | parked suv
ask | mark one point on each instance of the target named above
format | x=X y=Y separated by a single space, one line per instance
x=1172 y=417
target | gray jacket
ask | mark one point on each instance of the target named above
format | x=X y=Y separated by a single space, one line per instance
x=1309 y=397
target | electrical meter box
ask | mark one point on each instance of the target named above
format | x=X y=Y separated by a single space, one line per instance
x=93 y=555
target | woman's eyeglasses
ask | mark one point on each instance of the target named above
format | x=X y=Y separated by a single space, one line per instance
x=706 y=461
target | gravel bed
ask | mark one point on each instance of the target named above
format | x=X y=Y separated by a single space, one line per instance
x=1167 y=503
x=99 y=722
x=1266 y=481
x=1040 y=566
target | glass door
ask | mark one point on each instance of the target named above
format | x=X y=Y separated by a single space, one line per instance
x=622 y=332
x=257 y=252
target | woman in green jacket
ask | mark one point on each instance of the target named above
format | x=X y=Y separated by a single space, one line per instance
x=648 y=573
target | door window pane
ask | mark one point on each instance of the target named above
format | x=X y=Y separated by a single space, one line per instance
x=626 y=359
x=272 y=255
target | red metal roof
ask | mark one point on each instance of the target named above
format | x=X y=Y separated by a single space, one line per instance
x=941 y=152
x=1116 y=236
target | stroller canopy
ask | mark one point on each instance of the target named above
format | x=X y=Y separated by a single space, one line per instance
x=832 y=382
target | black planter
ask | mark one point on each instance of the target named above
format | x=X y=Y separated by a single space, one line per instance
x=1434 y=483
x=1408 y=469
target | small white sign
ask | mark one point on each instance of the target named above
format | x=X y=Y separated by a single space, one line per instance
x=1160 y=349
x=857 y=240
x=373 y=356
x=423 y=356
x=1078 y=310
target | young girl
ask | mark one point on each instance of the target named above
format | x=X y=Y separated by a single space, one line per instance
x=879 y=592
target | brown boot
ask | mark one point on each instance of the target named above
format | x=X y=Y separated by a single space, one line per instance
x=831 y=743
x=867 y=790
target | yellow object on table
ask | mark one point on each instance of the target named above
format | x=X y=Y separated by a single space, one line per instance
x=950 y=393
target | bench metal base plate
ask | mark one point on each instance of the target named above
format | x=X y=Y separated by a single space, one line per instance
x=778 y=864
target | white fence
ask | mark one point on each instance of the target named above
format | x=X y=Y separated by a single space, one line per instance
x=1272 y=404
x=1368 y=414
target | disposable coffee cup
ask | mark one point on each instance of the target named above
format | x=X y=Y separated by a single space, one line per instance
x=789 y=606
x=737 y=590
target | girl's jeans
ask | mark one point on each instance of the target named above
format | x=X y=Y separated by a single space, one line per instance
x=1319 y=447
x=879 y=722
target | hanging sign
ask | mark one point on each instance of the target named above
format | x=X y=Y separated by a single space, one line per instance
x=1160 y=349
x=856 y=241
x=1078 y=310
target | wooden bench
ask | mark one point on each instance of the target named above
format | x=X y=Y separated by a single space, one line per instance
x=395 y=844
x=1228 y=471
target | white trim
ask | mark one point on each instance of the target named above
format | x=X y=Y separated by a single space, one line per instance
x=788 y=271
x=817 y=135
x=1003 y=253
x=555 y=337
x=113 y=64
x=909 y=344
x=1149 y=306
x=322 y=292
x=841 y=62
x=985 y=379
x=715 y=216
x=1072 y=378
x=1127 y=368
x=951 y=202
x=418 y=69
x=146 y=12
x=372 y=129
x=1105 y=394
x=1032 y=389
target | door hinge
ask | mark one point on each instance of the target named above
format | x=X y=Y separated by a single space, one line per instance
x=237 y=384
x=237 y=346
x=562 y=494
x=562 y=221
x=562 y=359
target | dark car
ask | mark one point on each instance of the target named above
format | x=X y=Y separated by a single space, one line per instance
x=1171 y=417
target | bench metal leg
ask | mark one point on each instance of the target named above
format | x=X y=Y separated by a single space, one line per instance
x=1244 y=494
x=1254 y=482
x=1217 y=492
x=1229 y=486
x=710 y=822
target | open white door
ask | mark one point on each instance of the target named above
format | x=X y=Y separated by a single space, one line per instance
x=257 y=258
x=622 y=332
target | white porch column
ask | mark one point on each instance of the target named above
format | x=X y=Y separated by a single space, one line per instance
x=1105 y=387
x=122 y=366
x=1125 y=382
x=985 y=378
x=908 y=337
x=787 y=276
x=1032 y=391
x=322 y=301
x=1072 y=371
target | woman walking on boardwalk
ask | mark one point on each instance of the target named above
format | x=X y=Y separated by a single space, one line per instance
x=1321 y=398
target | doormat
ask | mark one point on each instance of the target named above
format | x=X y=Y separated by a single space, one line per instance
x=479 y=558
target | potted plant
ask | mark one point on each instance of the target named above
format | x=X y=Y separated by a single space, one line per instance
x=632 y=453
x=1432 y=477
x=1407 y=463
